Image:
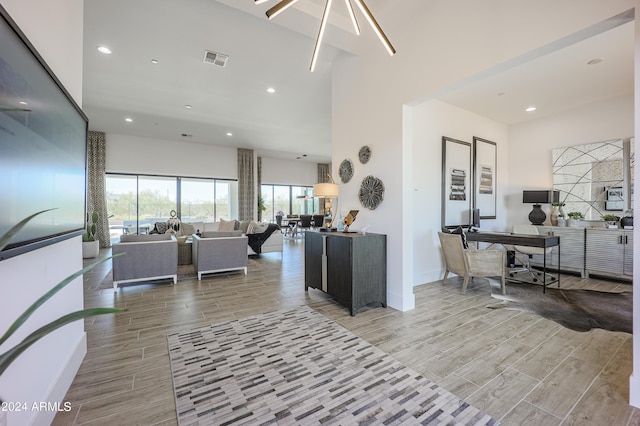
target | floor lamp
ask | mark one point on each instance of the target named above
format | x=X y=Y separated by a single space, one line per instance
x=327 y=191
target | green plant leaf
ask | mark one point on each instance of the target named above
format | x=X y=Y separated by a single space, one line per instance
x=26 y=314
x=8 y=357
x=6 y=238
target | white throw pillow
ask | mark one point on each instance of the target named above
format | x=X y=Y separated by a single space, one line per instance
x=211 y=226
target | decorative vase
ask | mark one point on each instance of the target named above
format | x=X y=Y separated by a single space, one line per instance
x=572 y=222
x=555 y=213
x=90 y=249
x=562 y=222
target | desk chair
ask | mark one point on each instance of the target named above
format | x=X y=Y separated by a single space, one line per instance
x=528 y=253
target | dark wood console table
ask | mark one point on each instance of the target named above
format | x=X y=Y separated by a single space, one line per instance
x=351 y=267
x=508 y=238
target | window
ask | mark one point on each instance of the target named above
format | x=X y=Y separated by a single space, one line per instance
x=135 y=202
x=288 y=200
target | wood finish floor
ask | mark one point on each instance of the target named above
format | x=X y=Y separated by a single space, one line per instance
x=516 y=366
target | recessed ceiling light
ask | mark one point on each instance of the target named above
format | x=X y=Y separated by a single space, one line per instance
x=595 y=61
x=229 y=134
x=154 y=61
x=271 y=90
x=530 y=109
x=23 y=103
x=188 y=106
x=128 y=119
x=104 y=49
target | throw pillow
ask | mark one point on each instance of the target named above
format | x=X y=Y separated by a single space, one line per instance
x=244 y=226
x=188 y=229
x=227 y=225
x=460 y=231
x=251 y=227
x=259 y=228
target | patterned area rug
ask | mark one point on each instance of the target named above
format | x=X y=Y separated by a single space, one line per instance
x=298 y=367
x=184 y=272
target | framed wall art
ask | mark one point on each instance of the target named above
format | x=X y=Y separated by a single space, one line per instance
x=484 y=176
x=456 y=183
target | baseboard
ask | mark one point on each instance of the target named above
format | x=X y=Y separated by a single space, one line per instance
x=61 y=386
x=396 y=301
x=634 y=391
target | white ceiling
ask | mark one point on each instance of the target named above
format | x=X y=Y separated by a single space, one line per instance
x=296 y=120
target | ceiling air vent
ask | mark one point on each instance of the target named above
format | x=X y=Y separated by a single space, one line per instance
x=214 y=58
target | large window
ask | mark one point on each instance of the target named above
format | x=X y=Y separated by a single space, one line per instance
x=288 y=200
x=135 y=202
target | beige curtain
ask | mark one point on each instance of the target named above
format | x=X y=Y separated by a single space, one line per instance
x=246 y=192
x=96 y=192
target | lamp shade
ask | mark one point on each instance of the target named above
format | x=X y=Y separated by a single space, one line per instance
x=325 y=190
x=540 y=197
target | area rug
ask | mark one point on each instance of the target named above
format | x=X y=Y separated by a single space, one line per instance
x=298 y=367
x=184 y=272
x=576 y=309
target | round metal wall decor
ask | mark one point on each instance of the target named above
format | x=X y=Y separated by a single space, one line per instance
x=371 y=192
x=364 y=154
x=346 y=170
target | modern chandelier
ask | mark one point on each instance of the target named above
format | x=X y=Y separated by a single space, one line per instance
x=285 y=4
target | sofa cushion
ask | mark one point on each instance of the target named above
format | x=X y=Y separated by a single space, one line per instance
x=221 y=234
x=144 y=238
x=188 y=229
x=210 y=227
x=197 y=227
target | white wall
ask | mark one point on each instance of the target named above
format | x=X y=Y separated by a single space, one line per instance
x=531 y=145
x=45 y=371
x=431 y=121
x=276 y=171
x=132 y=154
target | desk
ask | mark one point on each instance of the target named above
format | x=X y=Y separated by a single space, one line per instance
x=542 y=241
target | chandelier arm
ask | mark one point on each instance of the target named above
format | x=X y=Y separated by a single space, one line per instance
x=352 y=15
x=279 y=8
x=376 y=28
x=323 y=25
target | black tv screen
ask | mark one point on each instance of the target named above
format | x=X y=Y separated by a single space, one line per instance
x=43 y=146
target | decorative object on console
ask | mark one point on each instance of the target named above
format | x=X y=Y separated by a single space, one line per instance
x=611 y=219
x=349 y=219
x=556 y=212
x=328 y=191
x=574 y=217
x=346 y=170
x=626 y=222
x=364 y=154
x=371 y=192
x=538 y=197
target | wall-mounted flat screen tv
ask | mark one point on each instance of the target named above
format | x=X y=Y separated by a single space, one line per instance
x=43 y=145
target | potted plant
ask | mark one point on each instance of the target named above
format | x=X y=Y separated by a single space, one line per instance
x=11 y=354
x=611 y=219
x=90 y=245
x=574 y=217
x=261 y=207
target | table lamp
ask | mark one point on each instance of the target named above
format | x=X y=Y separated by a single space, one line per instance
x=328 y=191
x=547 y=196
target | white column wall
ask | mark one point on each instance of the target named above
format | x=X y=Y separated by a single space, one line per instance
x=45 y=371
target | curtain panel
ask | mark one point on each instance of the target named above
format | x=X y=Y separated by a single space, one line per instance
x=246 y=190
x=96 y=184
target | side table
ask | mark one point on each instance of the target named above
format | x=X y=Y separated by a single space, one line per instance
x=184 y=252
